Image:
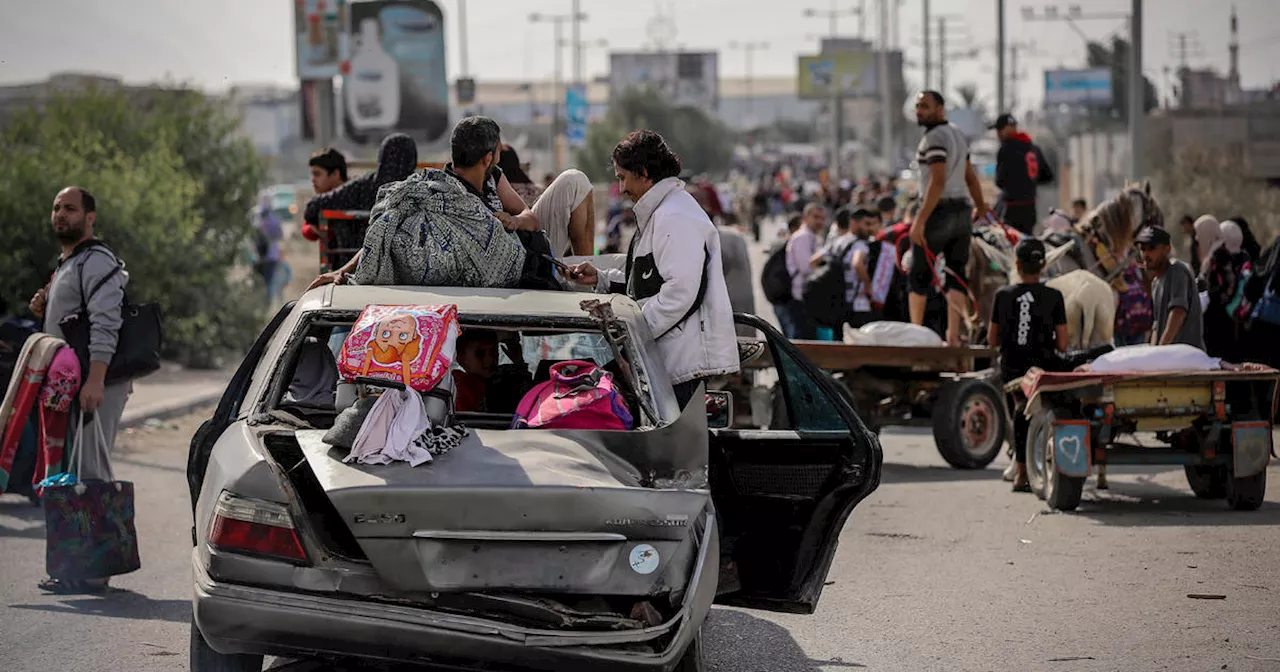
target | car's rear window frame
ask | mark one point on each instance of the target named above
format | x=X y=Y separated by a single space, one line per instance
x=279 y=382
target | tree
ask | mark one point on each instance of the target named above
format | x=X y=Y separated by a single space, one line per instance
x=1201 y=180
x=703 y=143
x=1116 y=57
x=174 y=185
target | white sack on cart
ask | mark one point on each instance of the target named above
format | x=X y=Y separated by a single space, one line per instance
x=1156 y=358
x=893 y=333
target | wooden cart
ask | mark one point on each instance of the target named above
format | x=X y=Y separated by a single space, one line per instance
x=939 y=387
x=1216 y=424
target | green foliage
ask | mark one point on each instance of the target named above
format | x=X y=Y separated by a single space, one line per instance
x=704 y=144
x=173 y=186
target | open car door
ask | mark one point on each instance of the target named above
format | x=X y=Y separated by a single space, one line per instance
x=782 y=493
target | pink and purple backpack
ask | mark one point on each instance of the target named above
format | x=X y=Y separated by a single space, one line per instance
x=579 y=395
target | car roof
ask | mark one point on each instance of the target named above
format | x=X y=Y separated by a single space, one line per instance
x=470 y=300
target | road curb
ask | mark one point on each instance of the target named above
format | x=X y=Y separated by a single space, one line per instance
x=132 y=418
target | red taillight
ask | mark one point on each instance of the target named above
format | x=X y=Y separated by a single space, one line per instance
x=256 y=527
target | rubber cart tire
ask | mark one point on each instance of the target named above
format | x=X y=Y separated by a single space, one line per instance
x=1037 y=445
x=969 y=423
x=1246 y=494
x=1207 y=482
x=1062 y=492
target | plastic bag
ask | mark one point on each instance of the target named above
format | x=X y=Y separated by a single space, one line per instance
x=1156 y=358
x=892 y=333
x=414 y=345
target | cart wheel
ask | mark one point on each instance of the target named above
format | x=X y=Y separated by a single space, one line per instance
x=1037 y=448
x=1246 y=494
x=1207 y=482
x=1061 y=492
x=969 y=423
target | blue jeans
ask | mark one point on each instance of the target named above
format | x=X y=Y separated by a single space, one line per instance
x=794 y=320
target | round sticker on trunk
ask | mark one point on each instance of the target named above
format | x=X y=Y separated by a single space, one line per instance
x=644 y=559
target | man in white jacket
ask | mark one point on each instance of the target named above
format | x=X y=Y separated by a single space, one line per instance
x=673 y=267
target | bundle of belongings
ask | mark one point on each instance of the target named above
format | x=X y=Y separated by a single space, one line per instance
x=893 y=333
x=428 y=230
x=397 y=360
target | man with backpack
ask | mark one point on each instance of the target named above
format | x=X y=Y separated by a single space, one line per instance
x=776 y=281
x=838 y=291
x=799 y=254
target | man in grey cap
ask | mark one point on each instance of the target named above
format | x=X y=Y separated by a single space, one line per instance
x=1174 y=297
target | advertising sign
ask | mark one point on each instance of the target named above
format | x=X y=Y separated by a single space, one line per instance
x=319 y=37
x=575 y=114
x=683 y=78
x=1090 y=87
x=396 y=80
x=855 y=71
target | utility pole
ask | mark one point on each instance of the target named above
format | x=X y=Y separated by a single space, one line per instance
x=928 y=49
x=837 y=102
x=1184 y=45
x=1000 y=108
x=557 y=88
x=578 y=17
x=886 y=94
x=1137 y=113
x=749 y=49
x=942 y=56
x=462 y=34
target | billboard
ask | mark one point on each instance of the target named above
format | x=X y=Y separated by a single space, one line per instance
x=575 y=114
x=1091 y=87
x=319 y=37
x=684 y=78
x=854 y=70
x=396 y=80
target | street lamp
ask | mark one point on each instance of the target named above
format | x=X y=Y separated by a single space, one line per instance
x=833 y=15
x=1136 y=79
x=748 y=49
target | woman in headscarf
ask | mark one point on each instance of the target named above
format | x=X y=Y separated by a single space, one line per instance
x=1225 y=267
x=509 y=162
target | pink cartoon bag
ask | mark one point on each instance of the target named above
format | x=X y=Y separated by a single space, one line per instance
x=579 y=395
x=414 y=345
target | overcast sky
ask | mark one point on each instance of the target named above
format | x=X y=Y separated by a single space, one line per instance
x=213 y=44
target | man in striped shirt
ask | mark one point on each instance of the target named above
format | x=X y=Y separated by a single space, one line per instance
x=943 y=226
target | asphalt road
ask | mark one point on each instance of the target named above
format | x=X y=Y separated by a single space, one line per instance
x=938 y=570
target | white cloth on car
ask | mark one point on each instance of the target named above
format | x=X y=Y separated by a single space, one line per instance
x=1156 y=358
x=892 y=333
x=389 y=432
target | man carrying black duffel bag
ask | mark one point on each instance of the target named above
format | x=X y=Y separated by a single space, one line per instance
x=87 y=294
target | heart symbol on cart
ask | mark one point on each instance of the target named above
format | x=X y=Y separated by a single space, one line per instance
x=1070 y=446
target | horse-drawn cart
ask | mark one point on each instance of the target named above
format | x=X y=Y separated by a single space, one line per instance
x=938 y=387
x=1214 y=423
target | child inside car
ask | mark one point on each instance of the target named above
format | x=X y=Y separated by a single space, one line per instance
x=478 y=359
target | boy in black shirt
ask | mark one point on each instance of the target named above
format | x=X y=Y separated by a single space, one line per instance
x=1029 y=325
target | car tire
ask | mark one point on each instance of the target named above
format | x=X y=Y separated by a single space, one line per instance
x=1246 y=494
x=694 y=659
x=204 y=659
x=969 y=423
x=1207 y=482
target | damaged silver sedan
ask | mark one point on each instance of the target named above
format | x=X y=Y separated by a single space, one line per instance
x=518 y=549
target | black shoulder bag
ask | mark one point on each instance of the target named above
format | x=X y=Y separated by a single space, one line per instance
x=137 y=344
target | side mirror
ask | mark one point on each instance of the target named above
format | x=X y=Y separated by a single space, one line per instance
x=719 y=409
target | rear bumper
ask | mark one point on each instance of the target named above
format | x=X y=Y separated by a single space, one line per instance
x=246 y=619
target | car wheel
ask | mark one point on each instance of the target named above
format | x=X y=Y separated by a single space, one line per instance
x=969 y=423
x=1207 y=482
x=693 y=660
x=204 y=659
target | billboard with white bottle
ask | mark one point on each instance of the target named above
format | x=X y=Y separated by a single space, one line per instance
x=396 y=79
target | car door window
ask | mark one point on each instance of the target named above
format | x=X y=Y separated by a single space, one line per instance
x=808 y=406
